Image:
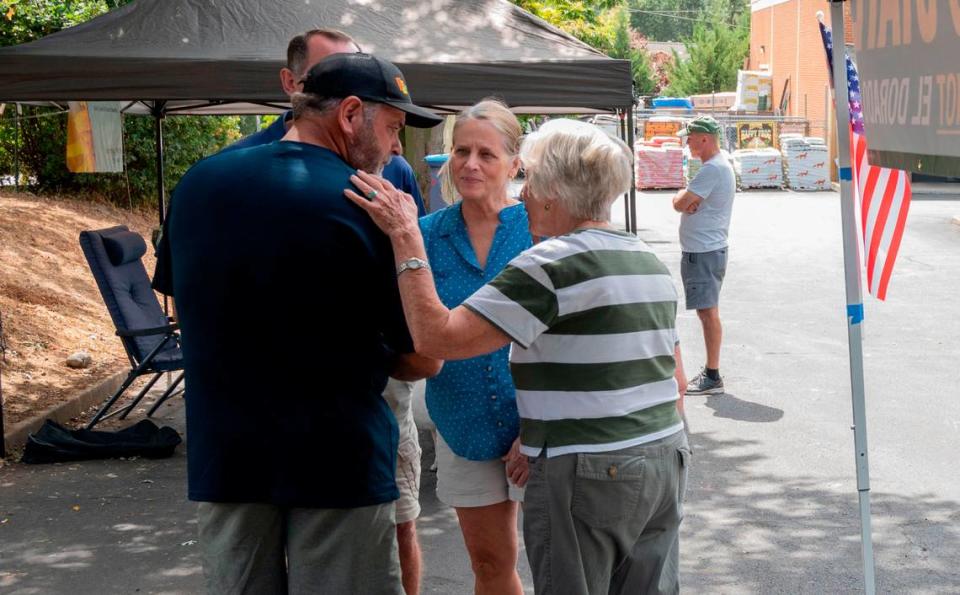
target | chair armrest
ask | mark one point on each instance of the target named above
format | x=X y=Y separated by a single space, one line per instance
x=143 y=332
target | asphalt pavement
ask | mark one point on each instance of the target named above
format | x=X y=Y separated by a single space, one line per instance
x=772 y=501
x=772 y=505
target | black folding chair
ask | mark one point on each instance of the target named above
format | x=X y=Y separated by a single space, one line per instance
x=148 y=335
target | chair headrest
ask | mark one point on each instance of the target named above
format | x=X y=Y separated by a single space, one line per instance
x=124 y=247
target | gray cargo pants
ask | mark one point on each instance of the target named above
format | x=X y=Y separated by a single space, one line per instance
x=606 y=523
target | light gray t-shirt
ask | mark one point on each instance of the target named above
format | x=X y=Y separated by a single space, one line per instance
x=706 y=230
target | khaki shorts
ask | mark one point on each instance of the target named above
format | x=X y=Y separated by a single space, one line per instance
x=399 y=395
x=408 y=480
x=463 y=483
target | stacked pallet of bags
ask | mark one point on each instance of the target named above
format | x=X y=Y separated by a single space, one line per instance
x=805 y=162
x=692 y=165
x=754 y=91
x=714 y=101
x=663 y=141
x=758 y=168
x=729 y=138
x=659 y=167
x=662 y=126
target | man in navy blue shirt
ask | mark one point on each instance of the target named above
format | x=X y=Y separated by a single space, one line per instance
x=303 y=52
x=291 y=319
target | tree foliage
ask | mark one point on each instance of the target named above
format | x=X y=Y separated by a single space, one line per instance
x=604 y=25
x=665 y=20
x=187 y=139
x=716 y=33
x=43 y=131
x=583 y=20
x=26 y=20
x=716 y=51
x=674 y=20
x=644 y=81
x=734 y=12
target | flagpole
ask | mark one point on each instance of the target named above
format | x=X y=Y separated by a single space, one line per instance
x=851 y=265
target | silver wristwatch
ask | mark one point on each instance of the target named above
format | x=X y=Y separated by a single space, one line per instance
x=412 y=264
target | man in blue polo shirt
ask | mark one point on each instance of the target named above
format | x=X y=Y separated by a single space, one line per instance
x=303 y=52
x=291 y=323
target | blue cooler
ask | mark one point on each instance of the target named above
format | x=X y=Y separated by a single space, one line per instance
x=672 y=103
x=435 y=200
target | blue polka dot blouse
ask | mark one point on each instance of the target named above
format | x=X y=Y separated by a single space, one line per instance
x=472 y=402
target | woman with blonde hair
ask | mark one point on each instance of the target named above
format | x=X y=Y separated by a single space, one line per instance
x=591 y=313
x=472 y=401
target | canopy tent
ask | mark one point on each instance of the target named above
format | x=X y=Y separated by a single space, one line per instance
x=167 y=57
x=228 y=52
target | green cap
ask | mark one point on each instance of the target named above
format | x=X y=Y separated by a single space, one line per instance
x=704 y=124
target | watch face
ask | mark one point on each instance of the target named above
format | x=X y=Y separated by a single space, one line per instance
x=415 y=264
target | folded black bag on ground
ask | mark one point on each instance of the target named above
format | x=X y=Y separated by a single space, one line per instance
x=54 y=443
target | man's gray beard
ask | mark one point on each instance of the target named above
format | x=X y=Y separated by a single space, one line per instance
x=365 y=154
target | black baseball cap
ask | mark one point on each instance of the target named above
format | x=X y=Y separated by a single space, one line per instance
x=367 y=77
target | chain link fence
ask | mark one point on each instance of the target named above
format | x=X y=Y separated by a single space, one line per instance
x=732 y=122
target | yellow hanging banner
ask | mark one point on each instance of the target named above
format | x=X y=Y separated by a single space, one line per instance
x=80 y=157
x=94 y=137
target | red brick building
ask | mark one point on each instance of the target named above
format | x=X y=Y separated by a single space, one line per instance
x=785 y=38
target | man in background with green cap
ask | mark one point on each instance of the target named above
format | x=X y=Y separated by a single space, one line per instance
x=706 y=204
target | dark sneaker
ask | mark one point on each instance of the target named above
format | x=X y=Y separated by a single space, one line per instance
x=703 y=385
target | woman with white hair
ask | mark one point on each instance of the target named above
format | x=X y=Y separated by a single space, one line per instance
x=591 y=313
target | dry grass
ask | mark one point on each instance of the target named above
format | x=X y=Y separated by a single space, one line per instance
x=49 y=302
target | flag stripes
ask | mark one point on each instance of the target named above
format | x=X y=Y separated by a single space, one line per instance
x=884 y=193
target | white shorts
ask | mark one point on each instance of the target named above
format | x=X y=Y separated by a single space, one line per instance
x=463 y=483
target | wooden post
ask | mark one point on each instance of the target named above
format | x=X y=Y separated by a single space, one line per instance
x=418 y=143
x=3 y=360
x=16 y=148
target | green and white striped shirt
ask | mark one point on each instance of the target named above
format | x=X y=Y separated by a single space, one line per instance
x=593 y=318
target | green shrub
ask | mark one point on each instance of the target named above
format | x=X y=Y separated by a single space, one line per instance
x=43 y=139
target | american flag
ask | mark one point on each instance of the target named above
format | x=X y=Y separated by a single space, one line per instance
x=884 y=193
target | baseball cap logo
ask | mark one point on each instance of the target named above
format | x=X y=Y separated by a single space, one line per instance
x=402 y=85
